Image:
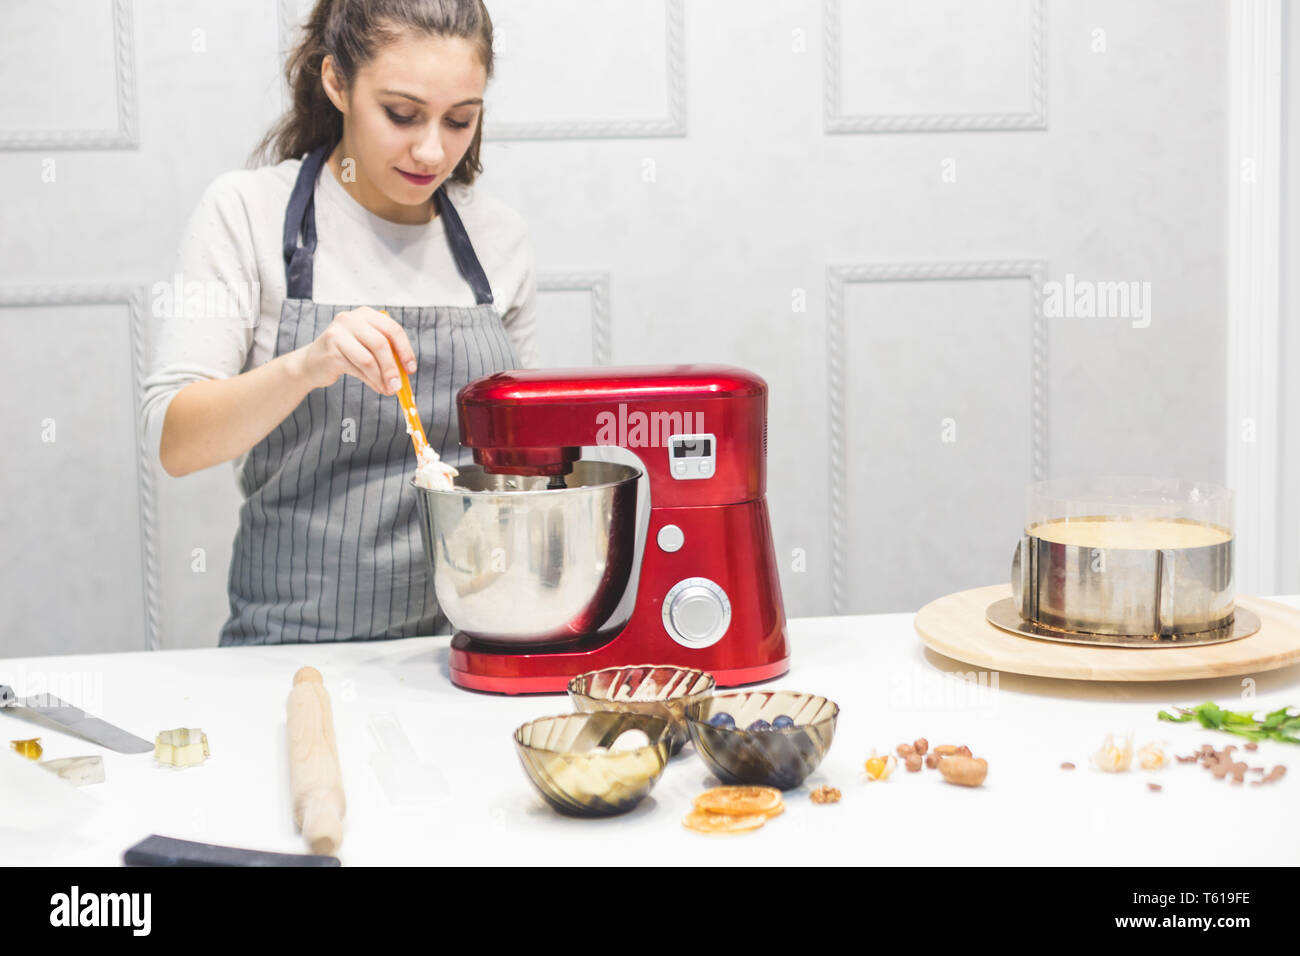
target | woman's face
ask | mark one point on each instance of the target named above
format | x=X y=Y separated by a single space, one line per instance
x=408 y=119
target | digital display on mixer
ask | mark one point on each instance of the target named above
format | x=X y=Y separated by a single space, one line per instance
x=700 y=448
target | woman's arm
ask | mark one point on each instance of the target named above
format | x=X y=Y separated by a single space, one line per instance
x=199 y=408
x=214 y=421
x=216 y=263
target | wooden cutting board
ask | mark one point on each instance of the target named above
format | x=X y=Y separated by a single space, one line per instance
x=955 y=627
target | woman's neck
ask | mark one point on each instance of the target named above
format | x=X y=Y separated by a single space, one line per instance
x=364 y=192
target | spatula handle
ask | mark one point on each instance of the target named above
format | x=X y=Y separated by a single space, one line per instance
x=407 y=398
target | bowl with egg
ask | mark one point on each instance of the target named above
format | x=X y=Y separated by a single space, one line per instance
x=1124 y=560
x=661 y=691
x=764 y=738
x=594 y=765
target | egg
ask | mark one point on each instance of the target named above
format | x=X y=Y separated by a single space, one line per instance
x=632 y=739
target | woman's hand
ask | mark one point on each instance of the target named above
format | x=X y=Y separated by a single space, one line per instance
x=359 y=343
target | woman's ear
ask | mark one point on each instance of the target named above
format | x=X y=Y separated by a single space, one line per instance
x=331 y=82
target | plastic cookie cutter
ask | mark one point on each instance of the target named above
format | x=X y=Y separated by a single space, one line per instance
x=405 y=779
x=79 y=771
x=31 y=749
x=183 y=747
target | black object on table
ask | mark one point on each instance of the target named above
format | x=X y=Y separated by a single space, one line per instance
x=155 y=850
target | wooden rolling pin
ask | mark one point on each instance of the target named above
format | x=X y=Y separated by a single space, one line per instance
x=314 y=775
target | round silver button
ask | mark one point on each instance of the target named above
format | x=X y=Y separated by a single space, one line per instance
x=696 y=612
x=670 y=538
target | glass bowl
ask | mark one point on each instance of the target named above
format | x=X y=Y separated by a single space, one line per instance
x=779 y=758
x=556 y=755
x=660 y=691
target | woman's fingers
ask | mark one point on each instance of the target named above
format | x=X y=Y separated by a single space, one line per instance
x=368 y=344
x=377 y=344
x=362 y=362
x=395 y=335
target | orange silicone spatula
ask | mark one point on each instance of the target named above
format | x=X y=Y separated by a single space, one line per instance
x=413 y=426
x=404 y=395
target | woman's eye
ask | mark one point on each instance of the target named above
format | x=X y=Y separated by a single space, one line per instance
x=455 y=125
x=398 y=118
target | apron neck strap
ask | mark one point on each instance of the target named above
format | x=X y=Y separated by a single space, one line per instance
x=300 y=220
x=462 y=249
x=300 y=217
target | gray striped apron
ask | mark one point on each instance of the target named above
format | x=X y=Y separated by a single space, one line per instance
x=328 y=546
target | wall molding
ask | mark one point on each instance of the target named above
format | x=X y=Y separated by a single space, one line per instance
x=674 y=124
x=837 y=277
x=126 y=135
x=1254 y=285
x=134 y=297
x=836 y=122
x=597 y=284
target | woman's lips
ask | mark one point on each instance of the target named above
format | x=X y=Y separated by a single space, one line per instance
x=418 y=180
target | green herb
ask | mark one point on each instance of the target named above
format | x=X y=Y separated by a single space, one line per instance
x=1277 y=725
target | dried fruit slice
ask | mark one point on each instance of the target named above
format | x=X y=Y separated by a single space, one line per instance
x=702 y=821
x=740 y=801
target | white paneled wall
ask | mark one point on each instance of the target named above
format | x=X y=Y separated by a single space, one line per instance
x=863 y=201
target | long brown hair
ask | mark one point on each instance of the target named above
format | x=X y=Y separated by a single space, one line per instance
x=352 y=31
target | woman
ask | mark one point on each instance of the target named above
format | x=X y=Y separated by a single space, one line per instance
x=359 y=259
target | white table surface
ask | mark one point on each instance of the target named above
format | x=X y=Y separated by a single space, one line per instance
x=889 y=687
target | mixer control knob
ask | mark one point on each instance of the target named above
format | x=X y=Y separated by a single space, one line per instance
x=696 y=612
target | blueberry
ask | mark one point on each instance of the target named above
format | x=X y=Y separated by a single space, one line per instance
x=782 y=721
x=759 y=725
x=723 y=719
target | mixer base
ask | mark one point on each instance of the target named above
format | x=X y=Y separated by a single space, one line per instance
x=495 y=671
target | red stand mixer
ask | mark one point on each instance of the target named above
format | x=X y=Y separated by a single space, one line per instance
x=538 y=558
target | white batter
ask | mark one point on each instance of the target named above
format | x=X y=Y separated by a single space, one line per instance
x=432 y=472
x=1141 y=534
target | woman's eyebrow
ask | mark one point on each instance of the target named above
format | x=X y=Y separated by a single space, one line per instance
x=416 y=99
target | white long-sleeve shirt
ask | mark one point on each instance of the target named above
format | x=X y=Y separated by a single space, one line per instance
x=229 y=274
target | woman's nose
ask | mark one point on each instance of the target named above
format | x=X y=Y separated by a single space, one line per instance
x=428 y=151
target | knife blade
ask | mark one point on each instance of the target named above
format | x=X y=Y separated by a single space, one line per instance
x=50 y=710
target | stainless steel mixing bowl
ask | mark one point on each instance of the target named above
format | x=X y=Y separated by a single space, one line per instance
x=515 y=562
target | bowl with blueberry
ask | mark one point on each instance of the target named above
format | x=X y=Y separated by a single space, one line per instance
x=657 y=690
x=593 y=765
x=767 y=738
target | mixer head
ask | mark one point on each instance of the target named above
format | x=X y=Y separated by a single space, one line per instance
x=682 y=422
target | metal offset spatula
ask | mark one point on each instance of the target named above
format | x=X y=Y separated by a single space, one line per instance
x=50 y=710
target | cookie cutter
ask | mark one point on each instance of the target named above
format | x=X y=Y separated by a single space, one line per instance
x=182 y=747
x=31 y=749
